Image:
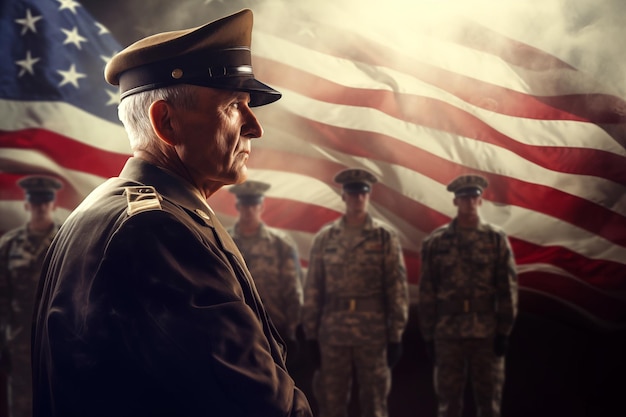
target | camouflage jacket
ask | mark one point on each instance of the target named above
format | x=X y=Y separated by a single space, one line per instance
x=273 y=261
x=21 y=257
x=468 y=283
x=356 y=290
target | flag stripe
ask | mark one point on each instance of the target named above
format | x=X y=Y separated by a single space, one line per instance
x=523 y=100
x=583 y=161
x=65 y=151
x=504 y=189
x=417 y=104
x=63 y=119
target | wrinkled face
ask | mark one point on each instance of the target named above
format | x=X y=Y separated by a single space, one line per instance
x=468 y=205
x=213 y=138
x=356 y=203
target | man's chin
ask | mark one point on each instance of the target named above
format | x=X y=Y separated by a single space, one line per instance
x=241 y=176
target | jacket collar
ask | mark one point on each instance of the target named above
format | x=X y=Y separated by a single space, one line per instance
x=169 y=185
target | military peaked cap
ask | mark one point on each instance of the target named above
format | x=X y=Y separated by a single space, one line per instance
x=468 y=186
x=215 y=55
x=355 y=180
x=40 y=189
x=250 y=193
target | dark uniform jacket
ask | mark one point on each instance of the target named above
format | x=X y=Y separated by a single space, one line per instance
x=146 y=308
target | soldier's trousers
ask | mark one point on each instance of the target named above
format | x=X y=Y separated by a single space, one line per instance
x=332 y=383
x=456 y=361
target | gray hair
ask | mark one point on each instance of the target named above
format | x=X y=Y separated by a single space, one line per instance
x=134 y=114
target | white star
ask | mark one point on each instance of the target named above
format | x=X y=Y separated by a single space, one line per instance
x=68 y=4
x=27 y=64
x=101 y=28
x=106 y=59
x=73 y=37
x=114 y=97
x=28 y=22
x=70 y=76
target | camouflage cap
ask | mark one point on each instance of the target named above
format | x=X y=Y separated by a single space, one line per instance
x=215 y=55
x=250 y=193
x=40 y=189
x=356 y=180
x=468 y=186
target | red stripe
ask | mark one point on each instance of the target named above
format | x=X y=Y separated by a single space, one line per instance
x=595 y=108
x=603 y=274
x=67 y=152
x=430 y=113
x=506 y=190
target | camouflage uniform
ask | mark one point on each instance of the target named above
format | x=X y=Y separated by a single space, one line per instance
x=21 y=257
x=273 y=261
x=356 y=301
x=467 y=295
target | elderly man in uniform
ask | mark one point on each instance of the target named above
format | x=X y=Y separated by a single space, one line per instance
x=467 y=303
x=146 y=306
x=21 y=255
x=272 y=257
x=355 y=303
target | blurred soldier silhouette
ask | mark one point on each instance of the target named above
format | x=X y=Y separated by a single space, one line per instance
x=467 y=303
x=21 y=256
x=272 y=258
x=355 y=304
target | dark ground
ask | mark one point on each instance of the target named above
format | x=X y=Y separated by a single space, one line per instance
x=555 y=367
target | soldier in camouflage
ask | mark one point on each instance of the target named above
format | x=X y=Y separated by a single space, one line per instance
x=467 y=303
x=355 y=304
x=273 y=260
x=21 y=255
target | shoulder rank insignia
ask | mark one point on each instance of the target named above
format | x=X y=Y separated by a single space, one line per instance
x=142 y=198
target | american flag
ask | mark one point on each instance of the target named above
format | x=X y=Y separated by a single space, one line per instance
x=417 y=98
x=59 y=116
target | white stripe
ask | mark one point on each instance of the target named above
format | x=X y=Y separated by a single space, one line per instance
x=65 y=120
x=469 y=152
x=413 y=45
x=82 y=182
x=528 y=131
x=427 y=30
x=545 y=230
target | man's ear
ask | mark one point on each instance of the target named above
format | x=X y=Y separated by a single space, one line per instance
x=161 y=119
